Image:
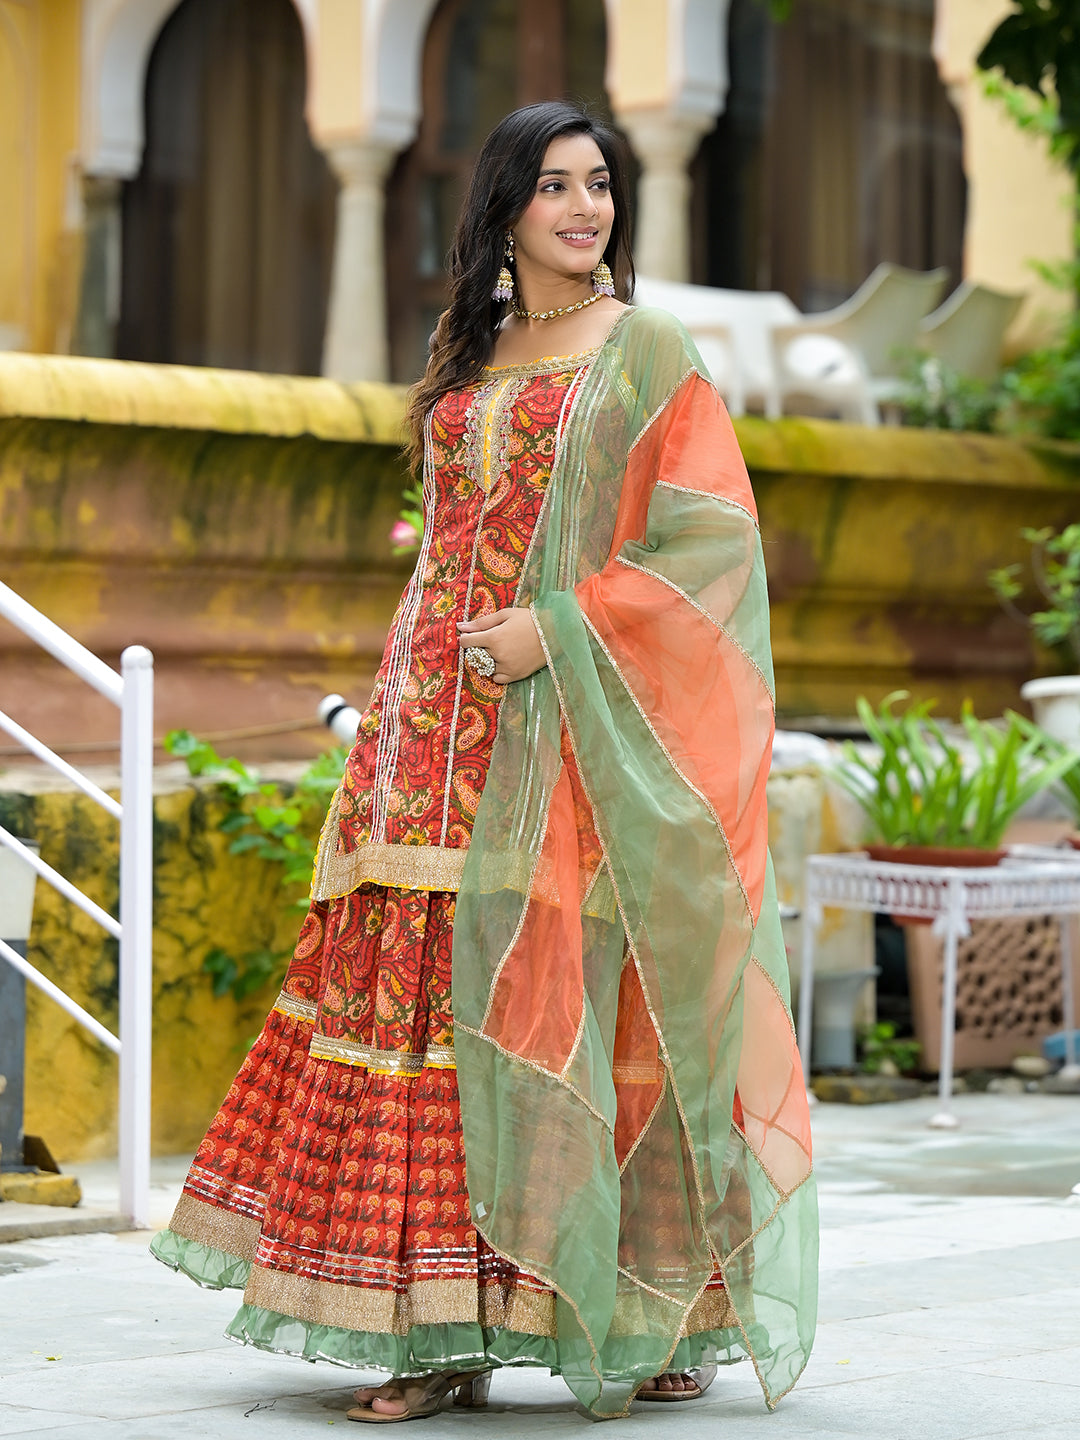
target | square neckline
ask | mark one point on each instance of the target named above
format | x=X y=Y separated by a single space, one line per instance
x=553 y=364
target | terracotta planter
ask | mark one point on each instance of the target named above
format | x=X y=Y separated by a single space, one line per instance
x=965 y=857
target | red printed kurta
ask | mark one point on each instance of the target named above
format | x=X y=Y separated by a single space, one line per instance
x=336 y=1164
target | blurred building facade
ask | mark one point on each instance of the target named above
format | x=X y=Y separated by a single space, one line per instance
x=272 y=184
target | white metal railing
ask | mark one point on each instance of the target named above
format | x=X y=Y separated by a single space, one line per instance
x=132 y=691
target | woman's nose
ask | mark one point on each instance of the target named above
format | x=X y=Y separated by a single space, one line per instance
x=584 y=203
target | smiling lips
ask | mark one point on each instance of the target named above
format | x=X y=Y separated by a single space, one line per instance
x=578 y=238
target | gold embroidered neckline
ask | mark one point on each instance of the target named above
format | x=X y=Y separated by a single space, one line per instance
x=545 y=365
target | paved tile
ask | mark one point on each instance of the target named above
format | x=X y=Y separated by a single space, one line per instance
x=950 y=1311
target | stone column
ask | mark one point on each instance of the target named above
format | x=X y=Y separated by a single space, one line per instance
x=664 y=142
x=356 y=347
x=99 y=289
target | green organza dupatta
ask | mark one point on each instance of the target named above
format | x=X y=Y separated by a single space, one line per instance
x=634 y=1113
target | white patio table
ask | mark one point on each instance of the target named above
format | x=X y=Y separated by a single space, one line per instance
x=951 y=898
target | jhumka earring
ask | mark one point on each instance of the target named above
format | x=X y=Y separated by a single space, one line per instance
x=504 y=286
x=602 y=281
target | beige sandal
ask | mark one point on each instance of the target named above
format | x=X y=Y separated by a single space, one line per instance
x=425 y=1393
x=702 y=1378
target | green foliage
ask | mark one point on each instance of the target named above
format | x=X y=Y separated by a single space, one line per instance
x=937 y=397
x=1055 y=567
x=1034 y=113
x=1071 y=784
x=262 y=821
x=1044 y=386
x=1037 y=47
x=919 y=791
x=878 y=1044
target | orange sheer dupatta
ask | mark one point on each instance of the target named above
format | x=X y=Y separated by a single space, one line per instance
x=633 y=1106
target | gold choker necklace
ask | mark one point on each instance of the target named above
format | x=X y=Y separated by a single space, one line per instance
x=554 y=314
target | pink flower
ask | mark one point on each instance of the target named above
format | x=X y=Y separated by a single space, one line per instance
x=403 y=533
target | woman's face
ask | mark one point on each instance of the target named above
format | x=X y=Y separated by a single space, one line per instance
x=566 y=225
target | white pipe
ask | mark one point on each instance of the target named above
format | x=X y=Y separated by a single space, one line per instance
x=136 y=944
x=59 y=643
x=35 y=746
x=64 y=1001
x=57 y=881
x=955 y=924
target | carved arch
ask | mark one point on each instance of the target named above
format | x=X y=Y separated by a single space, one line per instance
x=118 y=36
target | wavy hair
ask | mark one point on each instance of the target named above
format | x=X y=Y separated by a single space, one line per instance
x=503 y=183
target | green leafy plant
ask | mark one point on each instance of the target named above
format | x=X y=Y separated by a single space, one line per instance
x=1034 y=112
x=920 y=790
x=263 y=821
x=1037 y=47
x=1033 y=62
x=937 y=397
x=1071 y=784
x=880 y=1049
x=1055 y=568
x=1042 y=390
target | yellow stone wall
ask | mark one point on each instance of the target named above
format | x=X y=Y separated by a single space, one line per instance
x=39 y=139
x=238 y=526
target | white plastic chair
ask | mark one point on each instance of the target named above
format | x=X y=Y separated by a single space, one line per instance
x=847 y=359
x=967 y=331
x=731 y=329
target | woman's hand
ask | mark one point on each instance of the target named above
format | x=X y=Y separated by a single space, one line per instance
x=510 y=638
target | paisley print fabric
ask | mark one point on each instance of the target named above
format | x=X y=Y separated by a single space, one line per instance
x=420 y=761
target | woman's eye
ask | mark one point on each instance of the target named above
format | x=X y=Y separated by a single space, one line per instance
x=550 y=187
x=601 y=185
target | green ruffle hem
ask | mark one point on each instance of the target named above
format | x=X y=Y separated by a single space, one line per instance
x=458 y=1346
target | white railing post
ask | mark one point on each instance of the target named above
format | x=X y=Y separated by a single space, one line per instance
x=136 y=921
x=133 y=692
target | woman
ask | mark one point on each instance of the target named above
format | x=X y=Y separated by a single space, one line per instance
x=556 y=797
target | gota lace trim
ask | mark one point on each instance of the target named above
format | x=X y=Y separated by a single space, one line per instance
x=208 y=1222
x=546 y=365
x=403 y=867
x=405 y=1064
x=297 y=1009
x=392 y=1312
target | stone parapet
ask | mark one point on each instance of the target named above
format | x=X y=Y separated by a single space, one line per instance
x=238 y=526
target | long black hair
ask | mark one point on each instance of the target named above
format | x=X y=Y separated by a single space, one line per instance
x=503 y=183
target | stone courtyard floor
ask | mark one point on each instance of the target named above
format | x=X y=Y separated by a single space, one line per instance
x=950 y=1310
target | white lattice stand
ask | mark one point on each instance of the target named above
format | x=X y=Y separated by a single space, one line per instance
x=950 y=898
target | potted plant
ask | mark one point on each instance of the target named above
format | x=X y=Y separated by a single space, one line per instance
x=1055 y=567
x=927 y=802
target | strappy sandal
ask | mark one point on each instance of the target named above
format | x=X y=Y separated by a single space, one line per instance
x=702 y=1378
x=424 y=1394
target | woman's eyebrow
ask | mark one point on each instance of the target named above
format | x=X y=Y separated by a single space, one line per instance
x=596 y=170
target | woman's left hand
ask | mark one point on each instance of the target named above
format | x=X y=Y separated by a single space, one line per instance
x=510 y=638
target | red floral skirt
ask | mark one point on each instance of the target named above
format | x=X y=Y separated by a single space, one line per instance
x=336 y=1168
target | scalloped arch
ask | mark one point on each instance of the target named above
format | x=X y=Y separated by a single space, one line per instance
x=118 y=36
